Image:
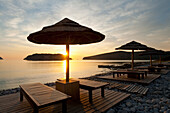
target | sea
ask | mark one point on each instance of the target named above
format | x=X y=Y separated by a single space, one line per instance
x=16 y=72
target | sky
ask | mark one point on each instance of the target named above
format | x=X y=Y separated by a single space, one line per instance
x=121 y=21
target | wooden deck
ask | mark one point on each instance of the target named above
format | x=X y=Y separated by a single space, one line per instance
x=11 y=103
x=164 y=72
x=146 y=80
x=129 y=88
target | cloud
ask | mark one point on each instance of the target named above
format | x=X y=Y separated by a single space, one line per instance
x=14 y=22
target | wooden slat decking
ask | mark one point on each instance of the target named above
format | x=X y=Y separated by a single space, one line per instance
x=129 y=88
x=11 y=103
x=147 y=80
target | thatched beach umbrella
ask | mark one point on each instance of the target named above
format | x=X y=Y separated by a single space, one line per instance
x=151 y=52
x=66 y=32
x=133 y=46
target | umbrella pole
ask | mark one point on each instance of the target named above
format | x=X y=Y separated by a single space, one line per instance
x=150 y=60
x=67 y=63
x=132 y=58
x=159 y=59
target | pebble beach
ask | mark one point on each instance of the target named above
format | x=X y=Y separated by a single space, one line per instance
x=157 y=99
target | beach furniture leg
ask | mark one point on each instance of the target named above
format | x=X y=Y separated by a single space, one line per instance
x=113 y=75
x=102 y=91
x=139 y=76
x=90 y=96
x=36 y=110
x=145 y=73
x=64 y=106
x=158 y=70
x=21 y=95
x=143 y=76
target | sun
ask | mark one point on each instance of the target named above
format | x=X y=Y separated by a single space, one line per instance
x=64 y=53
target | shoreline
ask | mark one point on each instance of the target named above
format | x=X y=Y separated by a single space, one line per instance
x=17 y=89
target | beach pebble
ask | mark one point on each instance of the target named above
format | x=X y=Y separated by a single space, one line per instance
x=146 y=108
x=122 y=111
x=161 y=111
x=140 y=108
x=148 y=101
x=156 y=106
x=168 y=111
x=123 y=105
x=140 y=112
x=110 y=111
x=128 y=104
x=126 y=109
x=154 y=101
x=161 y=102
x=133 y=109
x=155 y=110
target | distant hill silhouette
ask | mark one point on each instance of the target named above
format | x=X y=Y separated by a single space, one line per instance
x=45 y=57
x=122 y=55
x=1 y=58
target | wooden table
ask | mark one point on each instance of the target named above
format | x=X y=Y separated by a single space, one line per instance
x=162 y=65
x=152 y=69
x=92 y=85
x=40 y=95
x=134 y=73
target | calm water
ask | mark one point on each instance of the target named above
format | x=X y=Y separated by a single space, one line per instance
x=13 y=73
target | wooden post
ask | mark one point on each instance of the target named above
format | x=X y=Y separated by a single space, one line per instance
x=159 y=59
x=21 y=95
x=150 y=60
x=132 y=58
x=67 y=63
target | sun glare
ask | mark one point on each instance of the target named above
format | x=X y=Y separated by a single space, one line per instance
x=65 y=69
x=64 y=53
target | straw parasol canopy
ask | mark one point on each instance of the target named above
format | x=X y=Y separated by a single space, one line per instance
x=133 y=45
x=151 y=52
x=66 y=32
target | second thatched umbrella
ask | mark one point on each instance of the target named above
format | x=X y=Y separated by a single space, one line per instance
x=151 y=52
x=66 y=32
x=133 y=45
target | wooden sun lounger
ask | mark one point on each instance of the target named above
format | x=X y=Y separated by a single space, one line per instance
x=40 y=95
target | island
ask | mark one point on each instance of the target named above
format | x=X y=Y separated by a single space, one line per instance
x=46 y=57
x=122 y=55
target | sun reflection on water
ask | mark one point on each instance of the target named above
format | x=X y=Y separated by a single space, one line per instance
x=64 y=67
